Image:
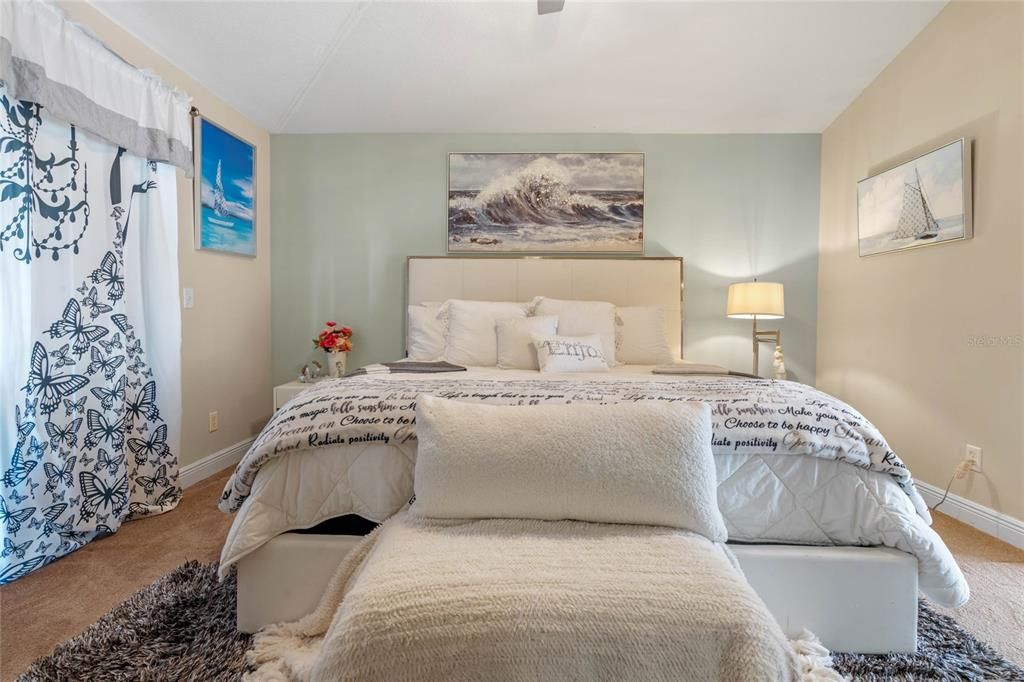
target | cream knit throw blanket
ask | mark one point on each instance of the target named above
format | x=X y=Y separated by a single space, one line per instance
x=510 y=599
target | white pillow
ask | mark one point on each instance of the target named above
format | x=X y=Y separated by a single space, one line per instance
x=515 y=340
x=426 y=333
x=581 y=318
x=640 y=336
x=472 y=339
x=570 y=353
x=641 y=463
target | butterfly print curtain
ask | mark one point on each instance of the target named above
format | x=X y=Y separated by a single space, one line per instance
x=89 y=338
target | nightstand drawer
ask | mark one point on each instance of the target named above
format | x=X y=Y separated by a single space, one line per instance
x=286 y=392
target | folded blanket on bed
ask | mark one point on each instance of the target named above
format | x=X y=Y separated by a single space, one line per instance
x=406 y=367
x=697 y=368
x=510 y=599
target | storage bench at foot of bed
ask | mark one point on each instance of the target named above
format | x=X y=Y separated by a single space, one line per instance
x=857 y=599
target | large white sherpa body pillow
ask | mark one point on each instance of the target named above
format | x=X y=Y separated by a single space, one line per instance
x=647 y=464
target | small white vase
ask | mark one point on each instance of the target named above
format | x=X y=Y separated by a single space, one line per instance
x=336 y=364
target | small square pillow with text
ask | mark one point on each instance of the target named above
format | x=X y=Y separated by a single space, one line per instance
x=570 y=353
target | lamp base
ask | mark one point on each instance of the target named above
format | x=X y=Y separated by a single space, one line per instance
x=763 y=336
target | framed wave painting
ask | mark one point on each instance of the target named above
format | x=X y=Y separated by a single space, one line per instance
x=546 y=203
x=924 y=201
x=225 y=181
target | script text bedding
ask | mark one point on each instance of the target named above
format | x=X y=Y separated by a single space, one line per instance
x=812 y=467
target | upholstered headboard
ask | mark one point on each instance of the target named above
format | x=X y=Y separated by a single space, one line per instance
x=622 y=281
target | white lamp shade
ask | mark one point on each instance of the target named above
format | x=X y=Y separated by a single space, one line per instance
x=763 y=300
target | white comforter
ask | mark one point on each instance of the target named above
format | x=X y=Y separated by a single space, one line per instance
x=794 y=465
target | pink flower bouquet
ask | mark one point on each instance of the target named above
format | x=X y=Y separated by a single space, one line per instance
x=334 y=338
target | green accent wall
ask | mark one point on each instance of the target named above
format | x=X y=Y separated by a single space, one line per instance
x=348 y=209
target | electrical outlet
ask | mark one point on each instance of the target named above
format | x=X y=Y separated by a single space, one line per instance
x=213 y=422
x=972 y=455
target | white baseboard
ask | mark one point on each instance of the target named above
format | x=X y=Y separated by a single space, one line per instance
x=193 y=473
x=989 y=521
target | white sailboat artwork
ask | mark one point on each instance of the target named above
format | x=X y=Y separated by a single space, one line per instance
x=220 y=206
x=916 y=218
x=924 y=201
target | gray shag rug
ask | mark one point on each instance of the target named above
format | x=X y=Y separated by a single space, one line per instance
x=945 y=651
x=182 y=627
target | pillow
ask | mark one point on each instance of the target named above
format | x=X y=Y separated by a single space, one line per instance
x=640 y=336
x=472 y=339
x=515 y=340
x=641 y=463
x=425 y=333
x=582 y=318
x=570 y=353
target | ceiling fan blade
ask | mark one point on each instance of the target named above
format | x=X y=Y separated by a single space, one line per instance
x=549 y=6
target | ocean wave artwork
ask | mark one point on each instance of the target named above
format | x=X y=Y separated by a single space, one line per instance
x=921 y=202
x=546 y=203
x=225 y=216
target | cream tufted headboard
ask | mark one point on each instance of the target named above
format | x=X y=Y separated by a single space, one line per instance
x=622 y=281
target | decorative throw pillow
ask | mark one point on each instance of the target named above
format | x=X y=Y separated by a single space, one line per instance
x=640 y=463
x=515 y=340
x=581 y=318
x=640 y=336
x=570 y=353
x=472 y=340
x=426 y=333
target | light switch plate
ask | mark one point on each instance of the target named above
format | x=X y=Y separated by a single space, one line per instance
x=188 y=297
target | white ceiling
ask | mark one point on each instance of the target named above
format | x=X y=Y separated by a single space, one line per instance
x=700 y=67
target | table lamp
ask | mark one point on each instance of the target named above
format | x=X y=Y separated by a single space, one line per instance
x=757 y=300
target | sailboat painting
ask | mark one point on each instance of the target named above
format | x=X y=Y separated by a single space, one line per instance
x=921 y=202
x=225 y=188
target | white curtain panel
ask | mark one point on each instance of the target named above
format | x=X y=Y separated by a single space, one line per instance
x=48 y=59
x=91 y=333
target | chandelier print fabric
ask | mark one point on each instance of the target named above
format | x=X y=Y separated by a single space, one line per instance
x=89 y=383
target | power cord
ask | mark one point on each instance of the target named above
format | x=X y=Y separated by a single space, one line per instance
x=960 y=472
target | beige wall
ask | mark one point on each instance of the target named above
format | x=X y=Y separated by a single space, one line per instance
x=225 y=346
x=895 y=331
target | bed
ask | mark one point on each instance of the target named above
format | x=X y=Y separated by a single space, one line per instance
x=835 y=539
x=483 y=576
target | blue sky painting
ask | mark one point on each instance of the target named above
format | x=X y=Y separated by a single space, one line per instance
x=227 y=173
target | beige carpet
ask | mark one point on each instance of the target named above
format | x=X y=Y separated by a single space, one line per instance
x=995 y=572
x=54 y=604
x=60 y=600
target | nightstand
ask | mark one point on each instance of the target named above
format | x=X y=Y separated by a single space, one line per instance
x=286 y=392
